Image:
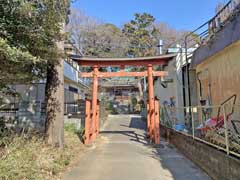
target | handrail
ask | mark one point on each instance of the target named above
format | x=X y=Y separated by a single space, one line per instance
x=234 y=97
x=223 y=14
x=209 y=27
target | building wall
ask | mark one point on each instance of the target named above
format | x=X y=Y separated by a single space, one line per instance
x=36 y=92
x=217 y=164
x=29 y=107
x=220 y=75
x=228 y=34
x=173 y=93
x=29 y=92
x=70 y=94
x=70 y=72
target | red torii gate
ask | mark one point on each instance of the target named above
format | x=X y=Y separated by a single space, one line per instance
x=92 y=108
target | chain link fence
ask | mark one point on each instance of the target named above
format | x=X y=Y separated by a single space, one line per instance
x=24 y=115
x=218 y=126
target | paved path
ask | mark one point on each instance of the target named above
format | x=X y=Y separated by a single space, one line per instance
x=122 y=153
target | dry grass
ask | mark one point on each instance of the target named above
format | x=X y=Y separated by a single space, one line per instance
x=24 y=159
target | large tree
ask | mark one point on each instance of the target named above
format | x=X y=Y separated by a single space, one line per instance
x=107 y=41
x=30 y=36
x=142 y=35
x=139 y=37
x=169 y=35
x=80 y=28
x=95 y=38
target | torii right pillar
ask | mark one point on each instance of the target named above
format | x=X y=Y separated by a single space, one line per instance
x=153 y=126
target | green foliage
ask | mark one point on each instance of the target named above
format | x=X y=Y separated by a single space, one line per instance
x=134 y=101
x=139 y=37
x=142 y=34
x=109 y=105
x=108 y=41
x=72 y=128
x=22 y=158
x=114 y=111
x=3 y=129
x=95 y=38
x=16 y=64
x=29 y=31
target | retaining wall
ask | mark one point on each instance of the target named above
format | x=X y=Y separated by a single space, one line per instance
x=217 y=164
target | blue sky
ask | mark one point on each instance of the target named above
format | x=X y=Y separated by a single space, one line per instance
x=179 y=14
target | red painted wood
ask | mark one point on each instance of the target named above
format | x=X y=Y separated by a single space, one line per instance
x=97 y=118
x=151 y=99
x=148 y=120
x=156 y=122
x=87 y=121
x=122 y=67
x=124 y=74
x=153 y=114
x=94 y=100
x=140 y=61
x=121 y=63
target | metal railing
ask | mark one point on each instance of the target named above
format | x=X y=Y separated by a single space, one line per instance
x=217 y=126
x=76 y=67
x=74 y=109
x=223 y=15
x=205 y=32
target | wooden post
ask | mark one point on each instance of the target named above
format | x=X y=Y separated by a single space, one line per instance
x=151 y=100
x=87 y=121
x=94 y=100
x=97 y=118
x=122 y=67
x=156 y=122
x=148 y=120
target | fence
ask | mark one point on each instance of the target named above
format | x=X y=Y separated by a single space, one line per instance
x=223 y=15
x=217 y=126
x=205 y=32
x=24 y=114
x=75 y=113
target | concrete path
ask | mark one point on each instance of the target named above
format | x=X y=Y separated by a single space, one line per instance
x=122 y=153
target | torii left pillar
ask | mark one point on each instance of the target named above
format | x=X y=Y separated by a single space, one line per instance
x=151 y=101
x=94 y=100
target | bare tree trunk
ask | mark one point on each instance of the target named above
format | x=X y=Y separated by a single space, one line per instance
x=54 y=126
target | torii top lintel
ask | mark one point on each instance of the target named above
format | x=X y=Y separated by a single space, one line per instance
x=139 y=61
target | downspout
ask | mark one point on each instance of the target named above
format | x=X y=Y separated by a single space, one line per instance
x=200 y=85
x=188 y=74
x=188 y=83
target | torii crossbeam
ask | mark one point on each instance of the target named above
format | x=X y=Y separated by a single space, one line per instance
x=148 y=62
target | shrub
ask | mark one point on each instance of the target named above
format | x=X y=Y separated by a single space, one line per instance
x=31 y=158
x=72 y=128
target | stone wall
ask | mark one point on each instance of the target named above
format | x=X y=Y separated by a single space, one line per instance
x=217 y=164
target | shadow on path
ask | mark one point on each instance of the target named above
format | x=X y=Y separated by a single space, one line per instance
x=125 y=154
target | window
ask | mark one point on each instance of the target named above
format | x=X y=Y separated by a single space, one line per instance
x=73 y=89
